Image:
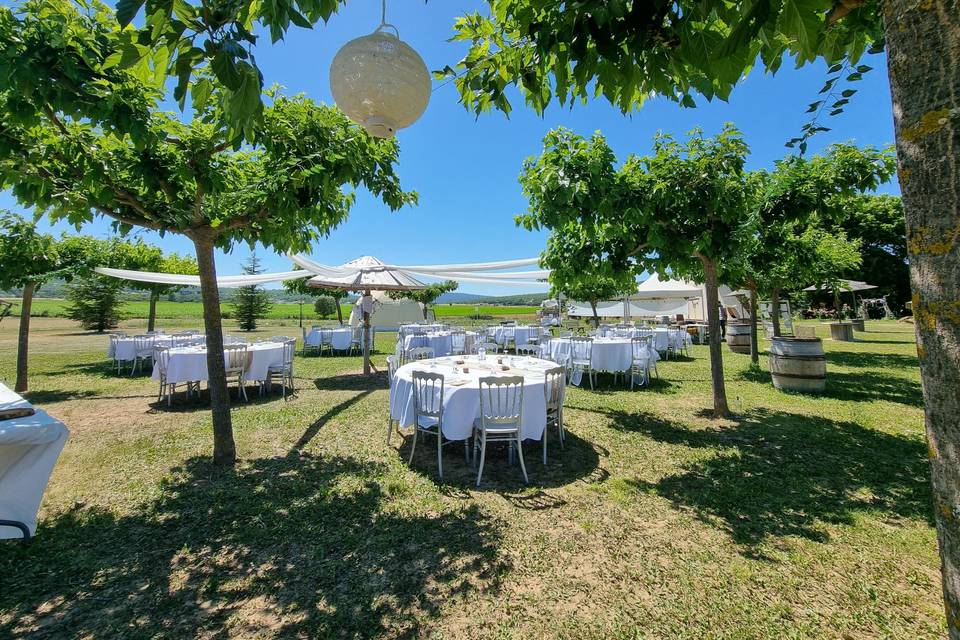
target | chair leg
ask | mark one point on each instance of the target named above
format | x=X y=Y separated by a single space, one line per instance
x=483 y=455
x=545 y=430
x=523 y=467
x=466 y=450
x=413 y=447
x=439 y=453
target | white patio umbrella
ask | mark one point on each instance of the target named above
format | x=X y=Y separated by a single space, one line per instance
x=848 y=285
x=365 y=274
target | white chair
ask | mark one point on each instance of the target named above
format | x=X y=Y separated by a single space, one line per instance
x=489 y=347
x=393 y=363
x=356 y=340
x=419 y=353
x=309 y=348
x=284 y=370
x=161 y=358
x=458 y=342
x=428 y=413
x=581 y=356
x=554 y=390
x=142 y=351
x=114 y=337
x=528 y=350
x=680 y=341
x=501 y=413
x=236 y=361
x=640 y=359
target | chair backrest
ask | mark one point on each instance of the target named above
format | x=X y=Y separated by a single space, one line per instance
x=289 y=350
x=420 y=353
x=458 y=339
x=357 y=335
x=393 y=363
x=489 y=347
x=554 y=387
x=161 y=358
x=581 y=348
x=566 y=334
x=143 y=343
x=428 y=394
x=235 y=357
x=501 y=400
x=640 y=347
x=528 y=350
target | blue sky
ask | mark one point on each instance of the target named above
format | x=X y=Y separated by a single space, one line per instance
x=465 y=169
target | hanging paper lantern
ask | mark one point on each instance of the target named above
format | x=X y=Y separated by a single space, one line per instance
x=380 y=82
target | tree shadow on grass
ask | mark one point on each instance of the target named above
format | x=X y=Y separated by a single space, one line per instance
x=780 y=474
x=353 y=382
x=577 y=460
x=51 y=396
x=862 y=386
x=872 y=360
x=294 y=546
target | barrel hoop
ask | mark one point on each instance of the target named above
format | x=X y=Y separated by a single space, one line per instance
x=798 y=376
x=804 y=358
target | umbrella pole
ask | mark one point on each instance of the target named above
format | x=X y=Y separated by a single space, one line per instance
x=366 y=336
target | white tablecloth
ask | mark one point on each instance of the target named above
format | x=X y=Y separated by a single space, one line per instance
x=609 y=354
x=519 y=335
x=461 y=404
x=189 y=364
x=441 y=342
x=339 y=339
x=125 y=348
x=29 y=448
x=410 y=328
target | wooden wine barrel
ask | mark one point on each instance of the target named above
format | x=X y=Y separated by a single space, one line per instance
x=798 y=364
x=738 y=337
x=858 y=324
x=842 y=331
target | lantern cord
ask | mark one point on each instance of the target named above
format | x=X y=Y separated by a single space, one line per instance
x=383 y=12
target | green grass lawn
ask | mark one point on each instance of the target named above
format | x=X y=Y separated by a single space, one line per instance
x=804 y=517
x=166 y=310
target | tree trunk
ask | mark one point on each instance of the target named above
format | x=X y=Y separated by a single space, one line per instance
x=720 y=409
x=23 y=341
x=339 y=312
x=775 y=311
x=366 y=337
x=152 y=316
x=224 y=449
x=754 y=344
x=923 y=47
x=596 y=318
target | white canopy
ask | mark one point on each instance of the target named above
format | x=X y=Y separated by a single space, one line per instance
x=194 y=281
x=653 y=288
x=366 y=273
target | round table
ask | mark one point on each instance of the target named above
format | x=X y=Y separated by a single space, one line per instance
x=461 y=392
x=440 y=341
x=614 y=355
x=338 y=339
x=126 y=348
x=518 y=335
x=189 y=364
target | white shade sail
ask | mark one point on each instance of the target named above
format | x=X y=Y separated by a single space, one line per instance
x=194 y=281
x=366 y=274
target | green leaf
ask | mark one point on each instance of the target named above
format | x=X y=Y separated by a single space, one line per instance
x=127 y=10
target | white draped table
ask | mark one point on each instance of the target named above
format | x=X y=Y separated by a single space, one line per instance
x=461 y=393
x=189 y=364
x=440 y=341
x=126 y=348
x=29 y=448
x=518 y=335
x=614 y=355
x=338 y=339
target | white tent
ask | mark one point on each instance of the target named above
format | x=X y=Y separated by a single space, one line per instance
x=656 y=297
x=388 y=314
